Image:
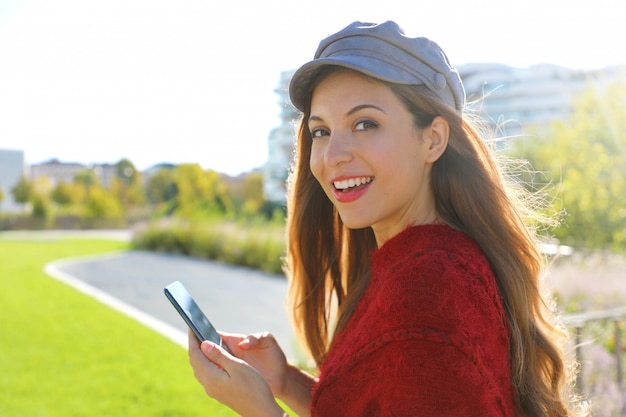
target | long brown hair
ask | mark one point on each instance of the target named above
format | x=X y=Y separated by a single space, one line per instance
x=327 y=262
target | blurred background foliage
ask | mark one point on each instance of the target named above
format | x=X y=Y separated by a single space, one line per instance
x=581 y=164
x=182 y=209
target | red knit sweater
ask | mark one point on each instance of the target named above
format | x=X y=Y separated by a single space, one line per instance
x=428 y=338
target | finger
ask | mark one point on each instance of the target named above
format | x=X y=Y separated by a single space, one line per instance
x=193 y=345
x=258 y=341
x=208 y=373
x=230 y=336
x=192 y=339
x=195 y=354
x=230 y=341
x=217 y=355
x=211 y=352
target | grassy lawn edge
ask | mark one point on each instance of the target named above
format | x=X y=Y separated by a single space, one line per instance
x=67 y=354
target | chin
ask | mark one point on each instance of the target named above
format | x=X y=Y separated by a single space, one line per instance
x=352 y=223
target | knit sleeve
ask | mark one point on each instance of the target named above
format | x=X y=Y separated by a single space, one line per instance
x=426 y=378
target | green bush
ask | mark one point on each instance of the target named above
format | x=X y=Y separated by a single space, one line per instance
x=254 y=244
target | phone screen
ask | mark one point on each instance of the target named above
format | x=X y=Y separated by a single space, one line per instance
x=191 y=313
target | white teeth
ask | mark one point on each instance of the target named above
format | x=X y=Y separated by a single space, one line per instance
x=352 y=182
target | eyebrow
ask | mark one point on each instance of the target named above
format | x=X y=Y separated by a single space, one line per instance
x=352 y=111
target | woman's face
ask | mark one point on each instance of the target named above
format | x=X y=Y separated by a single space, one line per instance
x=368 y=156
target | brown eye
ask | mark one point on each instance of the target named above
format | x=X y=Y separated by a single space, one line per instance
x=319 y=132
x=365 y=125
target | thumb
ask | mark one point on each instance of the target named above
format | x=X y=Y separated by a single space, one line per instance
x=214 y=353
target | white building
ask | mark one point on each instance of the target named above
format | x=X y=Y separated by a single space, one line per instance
x=56 y=171
x=515 y=99
x=280 y=144
x=12 y=168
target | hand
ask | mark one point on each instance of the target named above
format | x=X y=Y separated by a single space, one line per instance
x=262 y=352
x=231 y=381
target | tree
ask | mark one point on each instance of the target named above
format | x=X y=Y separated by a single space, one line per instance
x=200 y=192
x=86 y=177
x=101 y=204
x=41 y=206
x=129 y=195
x=126 y=172
x=127 y=185
x=161 y=186
x=251 y=191
x=60 y=194
x=585 y=160
x=23 y=190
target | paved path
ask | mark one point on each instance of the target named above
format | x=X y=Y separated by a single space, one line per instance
x=236 y=299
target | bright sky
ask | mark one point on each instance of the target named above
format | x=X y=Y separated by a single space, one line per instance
x=192 y=80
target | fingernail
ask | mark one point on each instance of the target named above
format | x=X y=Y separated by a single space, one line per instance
x=207 y=347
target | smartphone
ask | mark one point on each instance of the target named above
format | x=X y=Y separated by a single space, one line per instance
x=191 y=313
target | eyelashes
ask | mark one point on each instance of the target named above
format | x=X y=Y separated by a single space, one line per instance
x=319 y=132
x=360 y=126
x=365 y=125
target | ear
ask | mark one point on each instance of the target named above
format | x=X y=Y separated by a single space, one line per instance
x=437 y=135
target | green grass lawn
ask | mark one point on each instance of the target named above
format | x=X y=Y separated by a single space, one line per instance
x=65 y=354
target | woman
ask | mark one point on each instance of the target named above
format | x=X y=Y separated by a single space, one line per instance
x=413 y=280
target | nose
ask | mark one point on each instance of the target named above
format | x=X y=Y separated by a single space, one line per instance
x=338 y=150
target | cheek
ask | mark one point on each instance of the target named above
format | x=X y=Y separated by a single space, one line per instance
x=316 y=162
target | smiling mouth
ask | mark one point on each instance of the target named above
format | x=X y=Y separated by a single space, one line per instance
x=352 y=183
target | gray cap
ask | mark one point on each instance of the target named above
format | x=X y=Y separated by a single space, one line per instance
x=384 y=52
